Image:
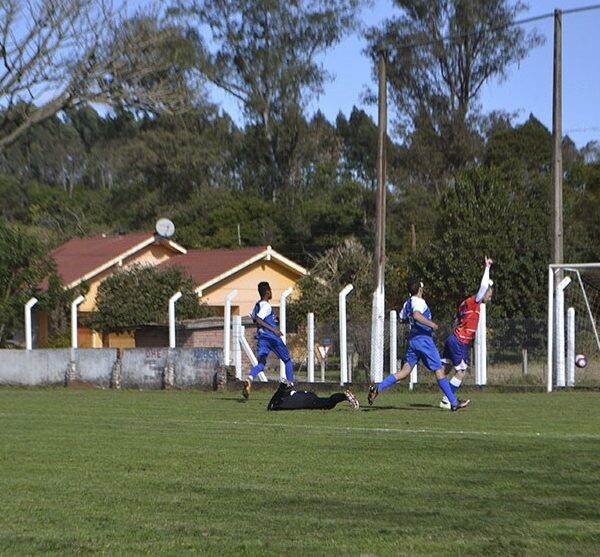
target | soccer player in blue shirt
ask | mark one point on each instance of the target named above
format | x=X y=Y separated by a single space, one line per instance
x=420 y=347
x=268 y=338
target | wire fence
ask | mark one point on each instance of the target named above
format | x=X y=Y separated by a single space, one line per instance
x=516 y=353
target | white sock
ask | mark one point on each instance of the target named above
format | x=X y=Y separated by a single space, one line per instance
x=456 y=383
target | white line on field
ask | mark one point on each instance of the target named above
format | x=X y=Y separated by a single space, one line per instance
x=384 y=430
x=167 y=423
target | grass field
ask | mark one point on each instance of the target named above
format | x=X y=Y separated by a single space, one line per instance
x=87 y=472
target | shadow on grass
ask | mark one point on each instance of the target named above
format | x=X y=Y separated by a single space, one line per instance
x=409 y=407
x=234 y=399
x=375 y=408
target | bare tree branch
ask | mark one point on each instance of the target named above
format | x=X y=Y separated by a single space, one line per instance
x=56 y=54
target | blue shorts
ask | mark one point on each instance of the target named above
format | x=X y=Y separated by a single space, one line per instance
x=423 y=348
x=456 y=353
x=265 y=345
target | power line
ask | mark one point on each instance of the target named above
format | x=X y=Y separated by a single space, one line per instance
x=551 y=14
x=582 y=130
x=451 y=38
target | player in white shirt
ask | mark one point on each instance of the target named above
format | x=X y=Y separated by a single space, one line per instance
x=420 y=347
x=268 y=339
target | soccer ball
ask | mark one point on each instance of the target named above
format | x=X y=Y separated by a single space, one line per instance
x=581 y=360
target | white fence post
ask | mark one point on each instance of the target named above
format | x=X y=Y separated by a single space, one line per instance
x=343 y=329
x=172 y=300
x=237 y=347
x=480 y=348
x=414 y=378
x=483 y=333
x=550 y=328
x=560 y=331
x=571 y=347
x=246 y=347
x=28 y=332
x=72 y=369
x=310 y=348
x=283 y=324
x=74 y=305
x=393 y=341
x=377 y=334
x=227 y=328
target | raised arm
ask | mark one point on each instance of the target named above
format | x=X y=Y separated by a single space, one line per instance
x=485 y=280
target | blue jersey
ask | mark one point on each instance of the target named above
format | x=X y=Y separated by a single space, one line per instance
x=414 y=303
x=264 y=311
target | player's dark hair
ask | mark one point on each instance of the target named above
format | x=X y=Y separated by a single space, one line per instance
x=262 y=288
x=413 y=286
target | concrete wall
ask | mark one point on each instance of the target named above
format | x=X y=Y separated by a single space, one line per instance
x=153 y=368
x=143 y=368
x=196 y=367
x=34 y=367
x=95 y=365
x=137 y=368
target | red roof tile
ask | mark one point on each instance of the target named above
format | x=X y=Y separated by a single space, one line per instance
x=81 y=256
x=204 y=265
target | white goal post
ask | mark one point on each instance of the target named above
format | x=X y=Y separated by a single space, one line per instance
x=556 y=314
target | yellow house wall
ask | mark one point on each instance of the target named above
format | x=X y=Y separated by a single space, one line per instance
x=152 y=255
x=121 y=340
x=246 y=283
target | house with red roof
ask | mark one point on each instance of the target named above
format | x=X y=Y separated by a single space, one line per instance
x=217 y=273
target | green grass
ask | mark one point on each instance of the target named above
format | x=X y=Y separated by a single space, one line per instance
x=87 y=472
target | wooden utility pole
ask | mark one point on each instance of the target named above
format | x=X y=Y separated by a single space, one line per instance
x=378 y=315
x=557 y=179
x=557 y=166
x=381 y=176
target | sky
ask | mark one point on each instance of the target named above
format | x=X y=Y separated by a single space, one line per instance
x=528 y=89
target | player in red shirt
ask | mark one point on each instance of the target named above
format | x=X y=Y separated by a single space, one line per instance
x=456 y=349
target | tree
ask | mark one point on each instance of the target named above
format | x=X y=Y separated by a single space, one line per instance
x=184 y=153
x=57 y=55
x=360 y=137
x=263 y=53
x=440 y=53
x=22 y=268
x=326 y=218
x=582 y=207
x=50 y=152
x=229 y=219
x=347 y=263
x=523 y=154
x=140 y=295
x=480 y=215
x=525 y=150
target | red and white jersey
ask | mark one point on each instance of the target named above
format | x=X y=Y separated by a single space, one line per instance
x=467 y=319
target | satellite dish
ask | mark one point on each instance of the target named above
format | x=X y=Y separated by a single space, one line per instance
x=165 y=228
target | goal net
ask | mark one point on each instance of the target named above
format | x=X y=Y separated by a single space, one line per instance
x=573 y=316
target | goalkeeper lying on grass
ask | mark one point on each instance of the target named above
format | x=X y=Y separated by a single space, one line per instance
x=287 y=398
